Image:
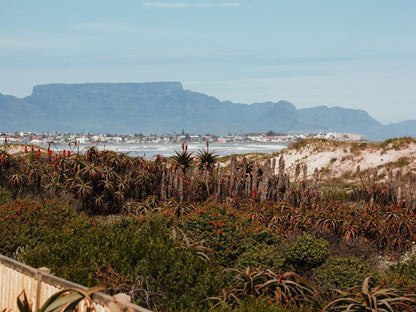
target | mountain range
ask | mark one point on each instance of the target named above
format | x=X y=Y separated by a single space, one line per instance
x=165 y=107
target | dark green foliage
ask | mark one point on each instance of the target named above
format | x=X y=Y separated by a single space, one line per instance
x=283 y=288
x=5 y=196
x=262 y=255
x=260 y=304
x=369 y=298
x=25 y=223
x=129 y=255
x=341 y=273
x=403 y=273
x=234 y=237
x=173 y=238
x=307 y=252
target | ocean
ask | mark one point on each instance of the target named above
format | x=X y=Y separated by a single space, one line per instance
x=167 y=150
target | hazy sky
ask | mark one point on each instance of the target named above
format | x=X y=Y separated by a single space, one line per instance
x=351 y=53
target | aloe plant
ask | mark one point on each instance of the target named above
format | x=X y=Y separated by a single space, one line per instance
x=183 y=158
x=283 y=288
x=63 y=301
x=206 y=159
x=4 y=158
x=372 y=299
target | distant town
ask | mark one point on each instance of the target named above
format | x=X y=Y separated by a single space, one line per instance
x=43 y=139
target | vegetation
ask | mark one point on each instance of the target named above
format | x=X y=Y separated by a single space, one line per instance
x=396 y=143
x=65 y=300
x=185 y=234
x=366 y=298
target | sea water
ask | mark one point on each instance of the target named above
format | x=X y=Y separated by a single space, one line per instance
x=149 y=150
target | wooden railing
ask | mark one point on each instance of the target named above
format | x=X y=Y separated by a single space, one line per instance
x=39 y=285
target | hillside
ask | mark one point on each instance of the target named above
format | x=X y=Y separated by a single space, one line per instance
x=165 y=107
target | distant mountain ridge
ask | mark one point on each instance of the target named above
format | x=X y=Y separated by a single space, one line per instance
x=165 y=107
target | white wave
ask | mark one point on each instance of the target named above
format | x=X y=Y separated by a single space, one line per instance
x=150 y=150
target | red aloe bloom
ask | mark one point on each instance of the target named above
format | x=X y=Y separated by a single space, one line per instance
x=26 y=150
x=68 y=154
x=38 y=153
x=33 y=148
x=64 y=153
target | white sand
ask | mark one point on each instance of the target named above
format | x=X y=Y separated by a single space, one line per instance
x=336 y=161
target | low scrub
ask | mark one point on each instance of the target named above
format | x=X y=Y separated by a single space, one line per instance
x=172 y=232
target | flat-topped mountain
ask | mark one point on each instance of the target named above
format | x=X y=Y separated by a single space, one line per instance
x=165 y=107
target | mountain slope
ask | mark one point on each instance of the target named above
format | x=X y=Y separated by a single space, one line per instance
x=20 y=113
x=341 y=119
x=165 y=107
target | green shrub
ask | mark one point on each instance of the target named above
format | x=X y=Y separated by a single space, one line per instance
x=307 y=252
x=401 y=162
x=263 y=256
x=24 y=223
x=370 y=297
x=231 y=235
x=300 y=144
x=5 y=196
x=131 y=255
x=356 y=148
x=341 y=273
x=260 y=304
x=403 y=273
x=396 y=143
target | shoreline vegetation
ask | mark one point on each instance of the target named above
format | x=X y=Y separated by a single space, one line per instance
x=322 y=225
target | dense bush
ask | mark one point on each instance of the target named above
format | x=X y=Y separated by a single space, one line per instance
x=235 y=238
x=24 y=223
x=172 y=236
x=139 y=258
x=403 y=273
x=307 y=252
x=261 y=304
x=341 y=273
x=5 y=196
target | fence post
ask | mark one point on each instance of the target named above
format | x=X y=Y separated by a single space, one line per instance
x=40 y=272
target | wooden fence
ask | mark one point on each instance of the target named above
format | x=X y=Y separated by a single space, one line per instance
x=39 y=285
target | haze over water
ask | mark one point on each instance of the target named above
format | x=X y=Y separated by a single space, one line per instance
x=167 y=150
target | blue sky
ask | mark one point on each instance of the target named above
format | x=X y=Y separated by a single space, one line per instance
x=354 y=54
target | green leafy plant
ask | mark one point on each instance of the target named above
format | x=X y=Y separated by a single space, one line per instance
x=5 y=196
x=341 y=273
x=403 y=272
x=396 y=143
x=307 y=252
x=283 y=288
x=206 y=159
x=183 y=158
x=66 y=300
x=372 y=299
x=263 y=304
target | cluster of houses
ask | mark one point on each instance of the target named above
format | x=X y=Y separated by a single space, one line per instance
x=43 y=139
